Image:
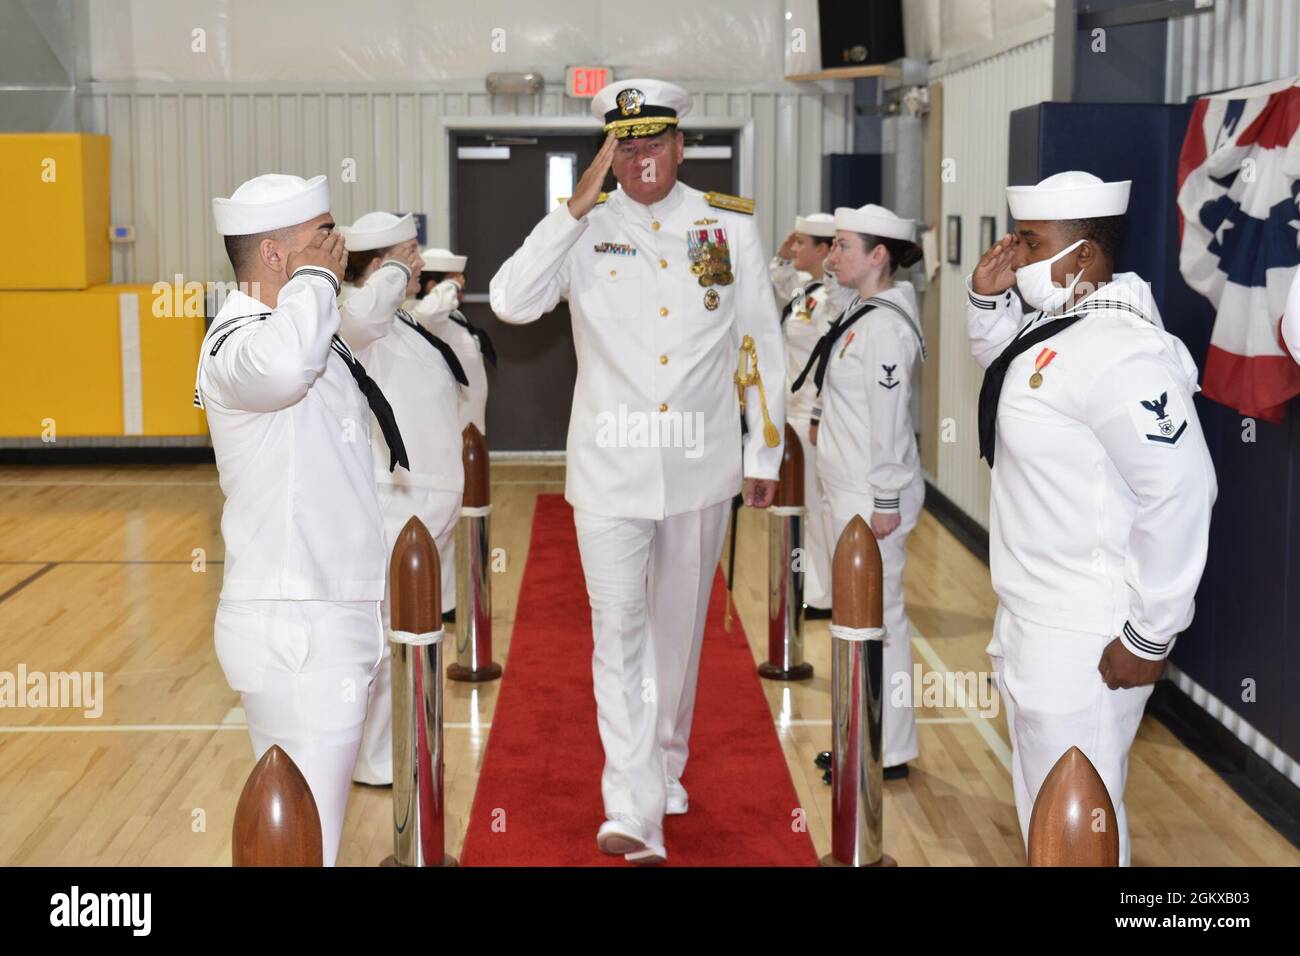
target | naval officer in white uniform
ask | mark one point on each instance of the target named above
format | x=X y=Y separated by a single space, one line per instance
x=437 y=308
x=1101 y=481
x=866 y=444
x=809 y=307
x=668 y=289
x=298 y=631
x=423 y=380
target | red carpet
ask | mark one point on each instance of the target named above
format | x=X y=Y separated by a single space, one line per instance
x=538 y=801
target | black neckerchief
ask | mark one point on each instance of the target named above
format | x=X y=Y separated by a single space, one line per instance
x=383 y=412
x=801 y=294
x=991 y=390
x=821 y=353
x=484 y=343
x=445 y=350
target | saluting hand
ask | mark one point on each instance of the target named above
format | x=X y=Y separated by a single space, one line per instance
x=787 y=248
x=1120 y=667
x=587 y=191
x=995 y=273
x=325 y=250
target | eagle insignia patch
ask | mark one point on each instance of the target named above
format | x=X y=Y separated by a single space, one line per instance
x=1161 y=419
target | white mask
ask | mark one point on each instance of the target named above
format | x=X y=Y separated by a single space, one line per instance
x=1035 y=283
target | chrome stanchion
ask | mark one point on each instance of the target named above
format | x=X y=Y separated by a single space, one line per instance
x=785 y=583
x=857 y=672
x=473 y=559
x=415 y=644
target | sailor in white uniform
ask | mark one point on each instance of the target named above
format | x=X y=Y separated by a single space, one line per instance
x=437 y=308
x=1290 y=327
x=422 y=378
x=298 y=631
x=669 y=293
x=808 y=308
x=1102 y=485
x=866 y=444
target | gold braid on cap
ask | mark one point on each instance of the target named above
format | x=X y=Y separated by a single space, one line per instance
x=745 y=378
x=640 y=126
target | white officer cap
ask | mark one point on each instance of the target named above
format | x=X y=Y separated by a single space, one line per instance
x=816 y=224
x=877 y=221
x=378 y=230
x=1069 y=195
x=442 y=260
x=632 y=109
x=270 y=201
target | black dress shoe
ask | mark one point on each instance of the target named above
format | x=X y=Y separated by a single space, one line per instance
x=816 y=613
x=896 y=772
x=823 y=760
x=826 y=777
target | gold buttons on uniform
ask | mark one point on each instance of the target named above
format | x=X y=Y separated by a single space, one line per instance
x=663 y=263
x=663 y=406
x=655 y=225
x=663 y=360
x=663 y=311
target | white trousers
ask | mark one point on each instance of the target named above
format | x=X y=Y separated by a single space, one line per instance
x=1055 y=699
x=648 y=583
x=439 y=510
x=899 y=718
x=818 y=545
x=303 y=671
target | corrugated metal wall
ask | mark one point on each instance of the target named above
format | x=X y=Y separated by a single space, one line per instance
x=176 y=146
x=977 y=105
x=1240 y=43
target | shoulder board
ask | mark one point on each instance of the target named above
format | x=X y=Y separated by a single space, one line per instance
x=730 y=203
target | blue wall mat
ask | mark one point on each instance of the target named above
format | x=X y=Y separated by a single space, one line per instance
x=1247 y=625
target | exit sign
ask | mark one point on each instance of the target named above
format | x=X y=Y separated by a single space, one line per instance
x=584 y=82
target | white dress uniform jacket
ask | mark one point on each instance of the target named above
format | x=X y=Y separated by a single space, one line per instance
x=646 y=343
x=415 y=379
x=1102 y=484
x=301 y=519
x=865 y=442
x=434 y=312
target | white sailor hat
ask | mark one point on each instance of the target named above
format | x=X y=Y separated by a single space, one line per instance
x=873 y=220
x=634 y=108
x=442 y=260
x=270 y=201
x=815 y=224
x=1069 y=195
x=378 y=230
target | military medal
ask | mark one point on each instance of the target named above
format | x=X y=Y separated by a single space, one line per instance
x=848 y=340
x=710 y=259
x=1044 y=359
x=711 y=299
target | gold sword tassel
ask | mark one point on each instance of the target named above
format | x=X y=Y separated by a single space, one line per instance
x=745 y=378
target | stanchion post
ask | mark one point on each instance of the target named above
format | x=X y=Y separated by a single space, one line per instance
x=415 y=642
x=784 y=583
x=857 y=671
x=1073 y=822
x=276 y=820
x=473 y=568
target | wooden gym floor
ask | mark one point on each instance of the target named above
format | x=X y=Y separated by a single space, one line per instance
x=100 y=571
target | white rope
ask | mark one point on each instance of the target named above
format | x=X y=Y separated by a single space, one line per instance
x=482 y=512
x=857 y=633
x=406 y=637
x=786 y=511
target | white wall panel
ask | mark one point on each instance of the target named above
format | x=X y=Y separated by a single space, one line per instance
x=177 y=145
x=977 y=106
x=1239 y=43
